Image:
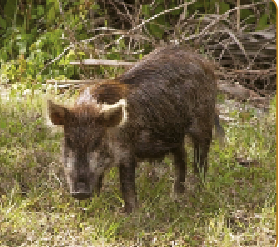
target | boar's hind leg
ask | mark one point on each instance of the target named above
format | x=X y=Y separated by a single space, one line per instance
x=180 y=168
x=201 y=150
x=127 y=183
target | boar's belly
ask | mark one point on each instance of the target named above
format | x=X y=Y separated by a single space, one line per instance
x=148 y=146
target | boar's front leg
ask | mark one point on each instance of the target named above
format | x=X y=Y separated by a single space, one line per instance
x=127 y=184
x=180 y=169
x=99 y=185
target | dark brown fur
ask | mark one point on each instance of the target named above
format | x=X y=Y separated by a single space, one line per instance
x=170 y=93
x=108 y=92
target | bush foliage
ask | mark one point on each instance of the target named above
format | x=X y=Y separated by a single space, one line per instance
x=33 y=33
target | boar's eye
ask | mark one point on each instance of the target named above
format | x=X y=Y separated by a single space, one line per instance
x=95 y=143
x=69 y=142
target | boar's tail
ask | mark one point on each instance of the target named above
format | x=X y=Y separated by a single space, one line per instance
x=219 y=130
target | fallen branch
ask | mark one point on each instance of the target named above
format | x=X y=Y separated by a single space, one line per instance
x=72 y=46
x=103 y=62
x=87 y=82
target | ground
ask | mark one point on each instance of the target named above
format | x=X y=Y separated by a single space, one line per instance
x=236 y=206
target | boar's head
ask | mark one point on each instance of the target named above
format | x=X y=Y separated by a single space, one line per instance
x=86 y=154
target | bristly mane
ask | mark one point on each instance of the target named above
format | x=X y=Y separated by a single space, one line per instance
x=108 y=92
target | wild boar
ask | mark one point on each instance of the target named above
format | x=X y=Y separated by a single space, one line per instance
x=143 y=114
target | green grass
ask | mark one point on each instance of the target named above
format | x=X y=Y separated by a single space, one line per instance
x=237 y=206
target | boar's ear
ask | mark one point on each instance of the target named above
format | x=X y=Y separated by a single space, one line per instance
x=113 y=115
x=56 y=113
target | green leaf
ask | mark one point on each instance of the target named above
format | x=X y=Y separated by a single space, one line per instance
x=95 y=7
x=71 y=54
x=224 y=7
x=10 y=8
x=3 y=124
x=250 y=20
x=145 y=10
x=262 y=24
x=156 y=30
x=40 y=10
x=177 y=11
x=51 y=14
x=198 y=4
x=244 y=13
x=3 y=23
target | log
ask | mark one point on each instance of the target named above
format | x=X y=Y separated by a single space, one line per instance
x=87 y=82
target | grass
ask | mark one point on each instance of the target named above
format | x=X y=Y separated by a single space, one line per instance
x=237 y=207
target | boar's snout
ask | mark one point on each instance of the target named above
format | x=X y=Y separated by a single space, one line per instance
x=81 y=195
x=81 y=191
